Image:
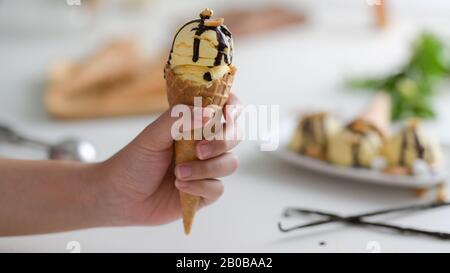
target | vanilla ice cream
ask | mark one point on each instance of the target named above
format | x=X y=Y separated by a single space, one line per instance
x=313 y=133
x=357 y=145
x=412 y=147
x=202 y=50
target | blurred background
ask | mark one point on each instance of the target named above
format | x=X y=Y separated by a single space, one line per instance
x=92 y=71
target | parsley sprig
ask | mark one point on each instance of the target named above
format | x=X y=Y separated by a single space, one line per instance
x=413 y=86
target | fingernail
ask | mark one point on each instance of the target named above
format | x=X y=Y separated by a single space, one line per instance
x=184 y=171
x=181 y=184
x=204 y=150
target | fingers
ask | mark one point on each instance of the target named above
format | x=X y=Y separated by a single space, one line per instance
x=233 y=100
x=159 y=135
x=208 y=189
x=227 y=138
x=220 y=166
x=195 y=177
x=209 y=149
x=233 y=107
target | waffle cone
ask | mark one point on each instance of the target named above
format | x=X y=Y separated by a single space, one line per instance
x=181 y=91
x=378 y=113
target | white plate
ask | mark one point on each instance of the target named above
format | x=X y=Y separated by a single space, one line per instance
x=356 y=174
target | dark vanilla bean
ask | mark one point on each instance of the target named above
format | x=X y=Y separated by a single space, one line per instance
x=359 y=219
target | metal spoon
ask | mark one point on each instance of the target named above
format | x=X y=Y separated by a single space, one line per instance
x=72 y=149
x=69 y=149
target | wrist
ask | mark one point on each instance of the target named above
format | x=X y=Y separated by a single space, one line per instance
x=108 y=206
x=97 y=199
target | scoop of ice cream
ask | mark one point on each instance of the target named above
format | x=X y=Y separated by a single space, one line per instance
x=357 y=145
x=313 y=133
x=410 y=145
x=202 y=50
x=201 y=74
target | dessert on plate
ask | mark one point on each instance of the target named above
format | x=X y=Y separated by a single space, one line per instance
x=199 y=65
x=313 y=133
x=412 y=151
x=360 y=143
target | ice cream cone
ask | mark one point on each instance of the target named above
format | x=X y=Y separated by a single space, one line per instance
x=199 y=66
x=378 y=114
x=180 y=91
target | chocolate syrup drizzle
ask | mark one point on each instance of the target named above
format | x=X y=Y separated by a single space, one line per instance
x=356 y=147
x=308 y=132
x=313 y=136
x=224 y=38
x=324 y=135
x=418 y=146
x=207 y=77
x=420 y=149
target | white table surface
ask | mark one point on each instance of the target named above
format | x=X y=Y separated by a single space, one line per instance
x=290 y=68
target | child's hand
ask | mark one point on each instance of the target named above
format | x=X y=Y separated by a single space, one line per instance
x=141 y=187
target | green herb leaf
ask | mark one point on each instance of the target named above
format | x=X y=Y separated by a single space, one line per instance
x=412 y=87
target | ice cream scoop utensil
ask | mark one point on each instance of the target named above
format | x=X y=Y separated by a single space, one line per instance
x=69 y=149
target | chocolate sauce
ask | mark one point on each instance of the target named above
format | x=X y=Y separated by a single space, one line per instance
x=324 y=135
x=356 y=147
x=403 y=148
x=304 y=129
x=224 y=39
x=418 y=147
x=308 y=133
x=207 y=77
x=313 y=136
x=420 y=150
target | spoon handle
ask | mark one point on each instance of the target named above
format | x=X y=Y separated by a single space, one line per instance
x=9 y=135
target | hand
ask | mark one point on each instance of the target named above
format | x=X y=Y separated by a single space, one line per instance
x=141 y=185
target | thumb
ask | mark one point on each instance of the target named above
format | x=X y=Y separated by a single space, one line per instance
x=159 y=135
